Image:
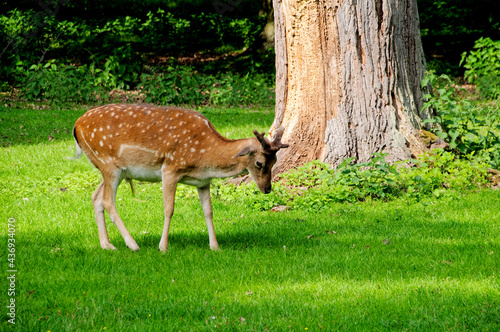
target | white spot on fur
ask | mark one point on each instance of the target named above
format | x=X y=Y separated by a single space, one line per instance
x=193 y=150
x=101 y=143
x=202 y=151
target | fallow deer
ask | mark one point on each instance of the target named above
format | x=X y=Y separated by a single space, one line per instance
x=167 y=144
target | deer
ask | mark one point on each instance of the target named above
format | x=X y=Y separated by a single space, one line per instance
x=170 y=145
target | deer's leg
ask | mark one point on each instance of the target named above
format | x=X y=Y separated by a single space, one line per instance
x=206 y=204
x=169 y=186
x=99 y=218
x=109 y=202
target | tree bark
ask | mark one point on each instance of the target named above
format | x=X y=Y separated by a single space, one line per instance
x=348 y=79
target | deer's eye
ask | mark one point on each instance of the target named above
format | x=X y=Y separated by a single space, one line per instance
x=258 y=164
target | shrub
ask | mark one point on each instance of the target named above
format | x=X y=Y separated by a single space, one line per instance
x=185 y=85
x=482 y=66
x=315 y=185
x=468 y=129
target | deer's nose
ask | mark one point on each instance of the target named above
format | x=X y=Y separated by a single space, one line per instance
x=267 y=189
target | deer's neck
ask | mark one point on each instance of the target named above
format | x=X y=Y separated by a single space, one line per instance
x=221 y=162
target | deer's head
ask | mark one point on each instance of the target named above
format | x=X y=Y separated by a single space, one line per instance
x=261 y=157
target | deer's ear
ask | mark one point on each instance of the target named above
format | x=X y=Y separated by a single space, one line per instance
x=246 y=151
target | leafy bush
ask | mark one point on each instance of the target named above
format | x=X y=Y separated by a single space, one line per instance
x=315 y=185
x=465 y=126
x=114 y=62
x=184 y=85
x=61 y=83
x=482 y=66
x=162 y=31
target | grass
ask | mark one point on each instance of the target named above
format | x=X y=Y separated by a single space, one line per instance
x=431 y=265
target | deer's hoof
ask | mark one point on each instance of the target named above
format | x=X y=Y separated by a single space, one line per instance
x=107 y=246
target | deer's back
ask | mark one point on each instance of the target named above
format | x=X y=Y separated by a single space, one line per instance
x=144 y=136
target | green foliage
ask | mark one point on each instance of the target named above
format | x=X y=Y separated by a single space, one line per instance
x=316 y=185
x=466 y=127
x=449 y=28
x=58 y=67
x=162 y=30
x=482 y=66
x=185 y=85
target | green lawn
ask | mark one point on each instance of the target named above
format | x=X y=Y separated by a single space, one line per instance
x=432 y=265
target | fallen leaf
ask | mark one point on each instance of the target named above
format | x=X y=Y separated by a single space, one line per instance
x=242 y=319
x=331 y=232
x=249 y=293
x=386 y=241
x=310 y=236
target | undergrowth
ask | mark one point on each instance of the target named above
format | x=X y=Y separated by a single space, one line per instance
x=468 y=127
x=315 y=185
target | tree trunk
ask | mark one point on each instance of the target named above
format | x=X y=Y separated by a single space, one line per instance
x=348 y=79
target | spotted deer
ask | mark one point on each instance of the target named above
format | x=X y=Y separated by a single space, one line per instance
x=167 y=144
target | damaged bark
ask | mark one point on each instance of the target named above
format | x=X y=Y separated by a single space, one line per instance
x=348 y=79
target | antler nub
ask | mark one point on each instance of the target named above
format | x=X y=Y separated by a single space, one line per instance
x=275 y=145
x=277 y=138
